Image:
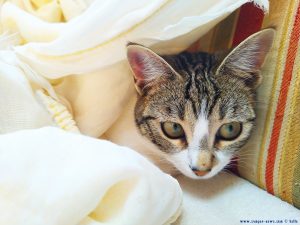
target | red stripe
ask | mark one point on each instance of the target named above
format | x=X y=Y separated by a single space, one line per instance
x=286 y=80
x=249 y=21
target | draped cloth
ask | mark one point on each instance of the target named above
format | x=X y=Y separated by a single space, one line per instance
x=88 y=38
x=75 y=52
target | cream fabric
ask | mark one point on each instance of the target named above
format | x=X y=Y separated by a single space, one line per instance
x=227 y=199
x=52 y=177
x=48 y=176
x=98 y=36
x=20 y=109
x=89 y=39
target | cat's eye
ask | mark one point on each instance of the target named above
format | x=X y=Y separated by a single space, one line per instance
x=172 y=130
x=229 y=131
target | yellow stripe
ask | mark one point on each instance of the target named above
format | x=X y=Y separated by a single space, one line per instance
x=291 y=138
x=280 y=62
x=296 y=188
x=281 y=151
x=205 y=41
x=223 y=33
x=212 y=39
x=236 y=18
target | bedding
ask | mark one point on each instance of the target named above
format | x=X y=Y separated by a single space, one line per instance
x=79 y=53
x=231 y=200
x=53 y=72
x=49 y=176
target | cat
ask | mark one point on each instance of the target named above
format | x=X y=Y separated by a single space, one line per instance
x=192 y=112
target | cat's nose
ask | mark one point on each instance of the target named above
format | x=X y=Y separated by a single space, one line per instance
x=205 y=160
x=204 y=163
x=200 y=173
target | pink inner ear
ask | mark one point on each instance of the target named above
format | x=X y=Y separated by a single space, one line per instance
x=263 y=44
x=136 y=60
x=146 y=65
x=258 y=61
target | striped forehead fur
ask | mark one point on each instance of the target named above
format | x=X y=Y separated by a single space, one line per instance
x=198 y=83
x=197 y=92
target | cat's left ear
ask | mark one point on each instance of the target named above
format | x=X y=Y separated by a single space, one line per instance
x=246 y=60
x=148 y=67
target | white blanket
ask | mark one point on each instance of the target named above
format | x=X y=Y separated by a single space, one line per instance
x=53 y=177
x=88 y=38
x=48 y=176
x=230 y=200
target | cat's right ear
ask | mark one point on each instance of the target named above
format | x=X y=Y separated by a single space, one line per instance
x=148 y=67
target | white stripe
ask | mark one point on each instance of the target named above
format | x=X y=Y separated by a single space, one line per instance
x=200 y=131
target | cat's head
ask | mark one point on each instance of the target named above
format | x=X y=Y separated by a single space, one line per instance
x=198 y=108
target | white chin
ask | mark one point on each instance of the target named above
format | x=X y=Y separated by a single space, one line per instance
x=180 y=161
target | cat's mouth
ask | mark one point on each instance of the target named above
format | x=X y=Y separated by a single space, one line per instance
x=198 y=175
x=182 y=162
x=201 y=173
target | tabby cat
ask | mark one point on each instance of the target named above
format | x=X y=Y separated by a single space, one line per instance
x=192 y=111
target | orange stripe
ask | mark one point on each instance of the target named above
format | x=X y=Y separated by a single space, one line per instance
x=278 y=73
x=286 y=80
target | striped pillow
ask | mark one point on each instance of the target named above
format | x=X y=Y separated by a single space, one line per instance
x=271 y=159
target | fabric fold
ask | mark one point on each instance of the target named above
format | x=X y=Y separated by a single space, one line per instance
x=52 y=177
x=84 y=54
x=97 y=37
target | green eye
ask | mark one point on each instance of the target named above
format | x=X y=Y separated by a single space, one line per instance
x=229 y=131
x=172 y=130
